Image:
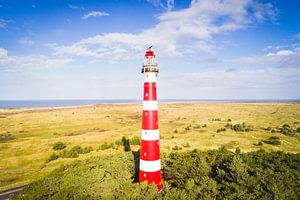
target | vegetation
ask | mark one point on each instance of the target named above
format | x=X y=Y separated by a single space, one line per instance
x=6 y=137
x=72 y=153
x=243 y=127
x=274 y=140
x=214 y=174
x=28 y=135
x=58 y=146
x=221 y=130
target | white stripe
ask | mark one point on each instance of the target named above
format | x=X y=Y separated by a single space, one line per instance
x=150 y=77
x=150 y=166
x=150 y=135
x=150 y=105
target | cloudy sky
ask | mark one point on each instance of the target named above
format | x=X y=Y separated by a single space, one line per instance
x=208 y=49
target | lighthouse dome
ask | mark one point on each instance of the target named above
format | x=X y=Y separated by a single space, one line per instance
x=149 y=53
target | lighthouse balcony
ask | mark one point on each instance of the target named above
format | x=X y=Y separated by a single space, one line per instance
x=150 y=69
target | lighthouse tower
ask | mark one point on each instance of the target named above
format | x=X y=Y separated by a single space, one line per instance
x=149 y=153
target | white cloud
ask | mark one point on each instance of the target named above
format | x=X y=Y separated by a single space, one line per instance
x=3 y=52
x=178 y=32
x=74 y=7
x=4 y=23
x=25 y=41
x=32 y=62
x=281 y=53
x=95 y=14
x=165 y=4
x=246 y=83
x=283 y=58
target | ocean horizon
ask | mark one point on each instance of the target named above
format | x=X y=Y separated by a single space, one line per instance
x=83 y=102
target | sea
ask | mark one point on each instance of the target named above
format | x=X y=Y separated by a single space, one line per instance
x=83 y=102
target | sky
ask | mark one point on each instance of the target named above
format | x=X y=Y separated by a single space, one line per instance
x=205 y=49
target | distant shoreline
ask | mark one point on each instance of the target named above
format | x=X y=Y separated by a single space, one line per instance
x=59 y=104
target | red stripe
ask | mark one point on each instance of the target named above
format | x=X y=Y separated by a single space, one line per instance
x=150 y=91
x=150 y=120
x=150 y=150
x=151 y=177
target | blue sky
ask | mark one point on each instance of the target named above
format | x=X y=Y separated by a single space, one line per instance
x=225 y=49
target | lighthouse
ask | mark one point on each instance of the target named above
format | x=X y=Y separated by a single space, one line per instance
x=150 y=167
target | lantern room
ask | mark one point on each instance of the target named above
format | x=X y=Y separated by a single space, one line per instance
x=150 y=64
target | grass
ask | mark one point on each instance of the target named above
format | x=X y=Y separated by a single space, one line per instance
x=33 y=132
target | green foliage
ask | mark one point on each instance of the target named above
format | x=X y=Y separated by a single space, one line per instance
x=298 y=130
x=176 y=148
x=216 y=174
x=52 y=157
x=58 y=146
x=106 y=145
x=288 y=130
x=72 y=153
x=243 y=127
x=187 y=128
x=186 y=145
x=221 y=130
x=118 y=142
x=274 y=140
x=135 y=140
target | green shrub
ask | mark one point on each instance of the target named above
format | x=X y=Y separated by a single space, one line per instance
x=135 y=140
x=273 y=131
x=52 y=157
x=58 y=146
x=119 y=142
x=298 y=130
x=176 y=148
x=86 y=150
x=106 y=145
x=287 y=130
x=241 y=127
x=274 y=140
x=214 y=174
x=186 y=145
x=221 y=130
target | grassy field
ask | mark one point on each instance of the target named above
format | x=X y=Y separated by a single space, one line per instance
x=27 y=135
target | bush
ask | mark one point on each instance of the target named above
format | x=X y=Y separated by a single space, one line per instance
x=58 y=146
x=106 y=145
x=52 y=157
x=186 y=145
x=214 y=174
x=287 y=130
x=241 y=127
x=221 y=130
x=274 y=140
x=175 y=131
x=6 y=137
x=298 y=130
x=135 y=140
x=176 y=148
x=118 y=142
x=86 y=150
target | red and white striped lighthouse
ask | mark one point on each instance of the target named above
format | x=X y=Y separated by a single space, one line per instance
x=149 y=153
